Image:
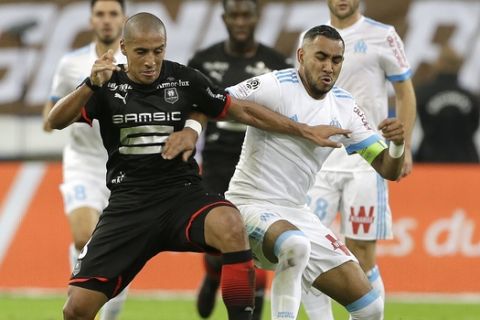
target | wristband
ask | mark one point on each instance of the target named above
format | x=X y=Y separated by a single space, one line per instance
x=195 y=125
x=89 y=84
x=396 y=151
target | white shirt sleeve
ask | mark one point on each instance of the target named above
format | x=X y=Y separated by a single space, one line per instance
x=64 y=81
x=263 y=90
x=363 y=135
x=393 y=58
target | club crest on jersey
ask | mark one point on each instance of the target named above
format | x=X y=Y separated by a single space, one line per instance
x=171 y=95
x=335 y=123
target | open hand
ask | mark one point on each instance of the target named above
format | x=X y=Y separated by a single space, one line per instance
x=180 y=142
x=103 y=68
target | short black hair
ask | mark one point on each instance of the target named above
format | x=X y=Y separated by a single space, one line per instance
x=323 y=30
x=121 y=2
x=255 y=2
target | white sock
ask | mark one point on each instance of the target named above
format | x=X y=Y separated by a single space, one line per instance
x=376 y=280
x=368 y=307
x=112 y=308
x=318 y=305
x=292 y=249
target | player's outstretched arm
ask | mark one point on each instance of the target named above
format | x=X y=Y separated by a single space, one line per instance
x=389 y=162
x=258 y=116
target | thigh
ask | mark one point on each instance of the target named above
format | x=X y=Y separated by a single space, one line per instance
x=120 y=246
x=327 y=251
x=186 y=219
x=324 y=196
x=365 y=211
x=88 y=193
x=258 y=219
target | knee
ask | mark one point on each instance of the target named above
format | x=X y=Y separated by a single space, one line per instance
x=70 y=312
x=293 y=248
x=229 y=229
x=370 y=306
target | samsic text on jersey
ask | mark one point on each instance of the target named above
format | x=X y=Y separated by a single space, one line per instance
x=135 y=120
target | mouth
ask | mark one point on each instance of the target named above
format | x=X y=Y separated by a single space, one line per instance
x=148 y=73
x=326 y=80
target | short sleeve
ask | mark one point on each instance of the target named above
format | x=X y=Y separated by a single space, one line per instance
x=62 y=83
x=92 y=110
x=363 y=135
x=394 y=59
x=209 y=99
x=263 y=90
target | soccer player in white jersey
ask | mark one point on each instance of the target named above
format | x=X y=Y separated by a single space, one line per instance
x=374 y=56
x=276 y=171
x=85 y=194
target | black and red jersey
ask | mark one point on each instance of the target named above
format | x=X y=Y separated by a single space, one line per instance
x=135 y=120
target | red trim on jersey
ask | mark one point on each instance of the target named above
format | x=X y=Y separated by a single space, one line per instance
x=101 y=279
x=228 y=101
x=85 y=116
x=117 y=287
x=200 y=211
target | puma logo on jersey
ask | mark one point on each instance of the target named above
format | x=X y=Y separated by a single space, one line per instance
x=123 y=98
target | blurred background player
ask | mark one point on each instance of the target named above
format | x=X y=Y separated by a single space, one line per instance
x=374 y=56
x=84 y=192
x=227 y=63
x=449 y=114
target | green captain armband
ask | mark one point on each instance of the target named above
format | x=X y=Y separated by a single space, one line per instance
x=372 y=151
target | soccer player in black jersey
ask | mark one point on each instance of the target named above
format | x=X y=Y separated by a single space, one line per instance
x=227 y=63
x=157 y=202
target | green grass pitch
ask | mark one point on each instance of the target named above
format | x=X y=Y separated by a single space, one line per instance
x=140 y=308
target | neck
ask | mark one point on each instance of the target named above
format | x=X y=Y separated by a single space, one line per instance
x=241 y=49
x=342 y=23
x=101 y=47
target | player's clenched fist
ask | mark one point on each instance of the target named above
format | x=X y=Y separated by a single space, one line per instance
x=103 y=68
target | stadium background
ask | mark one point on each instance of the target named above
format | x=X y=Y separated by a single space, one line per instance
x=436 y=210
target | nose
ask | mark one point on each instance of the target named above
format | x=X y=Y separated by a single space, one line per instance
x=150 y=60
x=327 y=66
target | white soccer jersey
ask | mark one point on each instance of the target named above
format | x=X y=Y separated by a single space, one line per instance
x=84 y=155
x=278 y=168
x=374 y=55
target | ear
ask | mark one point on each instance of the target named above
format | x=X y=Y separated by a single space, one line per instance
x=122 y=47
x=300 y=55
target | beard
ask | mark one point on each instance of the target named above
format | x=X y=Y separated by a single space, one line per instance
x=316 y=89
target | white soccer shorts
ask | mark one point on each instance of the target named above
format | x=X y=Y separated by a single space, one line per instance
x=90 y=193
x=360 y=197
x=327 y=251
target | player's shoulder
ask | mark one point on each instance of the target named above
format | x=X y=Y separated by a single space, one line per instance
x=210 y=52
x=288 y=75
x=342 y=98
x=274 y=53
x=78 y=54
x=274 y=57
x=374 y=27
x=176 y=70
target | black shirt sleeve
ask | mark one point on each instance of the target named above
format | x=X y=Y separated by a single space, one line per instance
x=210 y=99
